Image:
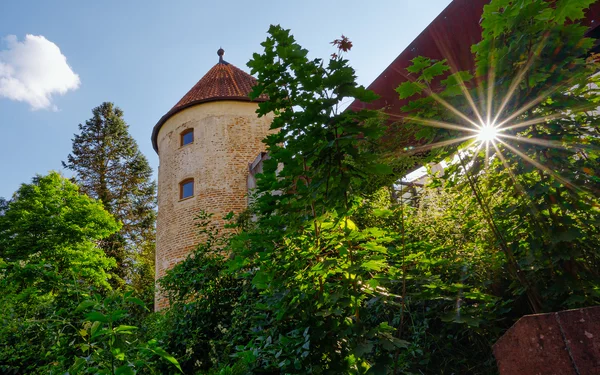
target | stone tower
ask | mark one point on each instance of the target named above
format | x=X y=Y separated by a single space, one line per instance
x=205 y=144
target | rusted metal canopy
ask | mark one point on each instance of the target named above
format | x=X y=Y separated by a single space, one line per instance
x=562 y=343
x=450 y=36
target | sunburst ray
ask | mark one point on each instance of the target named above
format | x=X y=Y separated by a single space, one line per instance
x=471 y=163
x=449 y=142
x=519 y=187
x=536 y=141
x=490 y=93
x=441 y=124
x=438 y=99
x=535 y=121
x=452 y=109
x=539 y=120
x=449 y=56
x=542 y=167
x=519 y=78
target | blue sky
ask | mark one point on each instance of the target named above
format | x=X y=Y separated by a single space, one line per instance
x=145 y=55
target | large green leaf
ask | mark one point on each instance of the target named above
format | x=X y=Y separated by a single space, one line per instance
x=572 y=10
x=408 y=89
x=96 y=316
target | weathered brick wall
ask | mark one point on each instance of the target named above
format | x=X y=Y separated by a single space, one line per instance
x=227 y=136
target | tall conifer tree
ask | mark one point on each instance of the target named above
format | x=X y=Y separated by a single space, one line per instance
x=109 y=166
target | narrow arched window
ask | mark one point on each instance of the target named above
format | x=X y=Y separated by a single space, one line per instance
x=187 y=137
x=186 y=188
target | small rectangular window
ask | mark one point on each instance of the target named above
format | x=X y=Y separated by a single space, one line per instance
x=186 y=189
x=187 y=137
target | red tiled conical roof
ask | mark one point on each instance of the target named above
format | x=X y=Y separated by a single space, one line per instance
x=223 y=81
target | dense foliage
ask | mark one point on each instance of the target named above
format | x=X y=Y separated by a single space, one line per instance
x=338 y=266
x=540 y=197
x=48 y=235
x=49 y=224
x=340 y=273
x=53 y=276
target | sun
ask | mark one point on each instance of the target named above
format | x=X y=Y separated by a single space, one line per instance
x=487 y=133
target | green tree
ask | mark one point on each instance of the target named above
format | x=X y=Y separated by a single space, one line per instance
x=50 y=222
x=109 y=167
x=319 y=275
x=49 y=260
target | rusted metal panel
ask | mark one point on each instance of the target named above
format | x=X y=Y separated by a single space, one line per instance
x=562 y=343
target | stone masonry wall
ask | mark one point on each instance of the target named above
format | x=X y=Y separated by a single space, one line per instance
x=227 y=136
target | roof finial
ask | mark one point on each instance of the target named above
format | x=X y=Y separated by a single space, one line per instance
x=221 y=52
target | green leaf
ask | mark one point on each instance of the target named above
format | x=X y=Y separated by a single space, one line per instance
x=118 y=353
x=261 y=280
x=457 y=78
x=363 y=348
x=373 y=246
x=123 y=328
x=455 y=83
x=383 y=212
x=118 y=314
x=374 y=264
x=124 y=370
x=572 y=10
x=435 y=70
x=137 y=301
x=96 y=316
x=84 y=305
x=78 y=365
x=348 y=224
x=399 y=343
x=364 y=95
x=418 y=64
x=546 y=15
x=163 y=354
x=95 y=326
x=408 y=89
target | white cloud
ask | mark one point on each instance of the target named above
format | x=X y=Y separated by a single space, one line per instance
x=33 y=70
